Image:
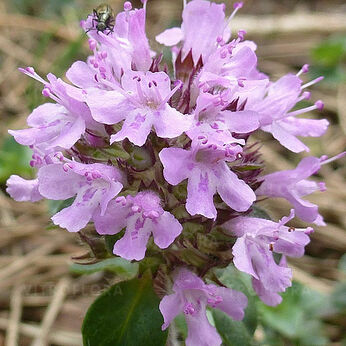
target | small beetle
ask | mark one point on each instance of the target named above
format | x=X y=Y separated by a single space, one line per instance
x=104 y=18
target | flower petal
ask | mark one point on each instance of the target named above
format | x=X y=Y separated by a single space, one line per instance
x=305 y=210
x=107 y=107
x=69 y=134
x=201 y=188
x=77 y=216
x=233 y=302
x=203 y=22
x=292 y=243
x=138 y=39
x=136 y=127
x=286 y=139
x=200 y=331
x=113 y=221
x=233 y=191
x=23 y=190
x=170 y=37
x=170 y=123
x=55 y=183
x=113 y=190
x=165 y=229
x=241 y=122
x=81 y=75
x=170 y=306
x=45 y=114
x=176 y=163
x=274 y=278
x=133 y=245
x=242 y=257
x=305 y=127
x=269 y=297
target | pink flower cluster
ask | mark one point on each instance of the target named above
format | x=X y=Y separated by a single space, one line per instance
x=149 y=152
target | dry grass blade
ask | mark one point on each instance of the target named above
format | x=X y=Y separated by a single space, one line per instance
x=19 y=53
x=308 y=280
x=57 y=337
x=341 y=104
x=52 y=312
x=291 y=23
x=15 y=316
x=29 y=258
x=24 y=22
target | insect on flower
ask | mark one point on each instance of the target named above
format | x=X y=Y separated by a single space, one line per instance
x=104 y=18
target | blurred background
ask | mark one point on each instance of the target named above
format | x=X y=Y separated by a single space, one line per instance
x=42 y=298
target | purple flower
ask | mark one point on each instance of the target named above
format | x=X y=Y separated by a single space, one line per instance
x=53 y=125
x=142 y=215
x=143 y=104
x=204 y=25
x=205 y=167
x=275 y=116
x=94 y=184
x=191 y=296
x=22 y=190
x=206 y=110
x=282 y=278
x=230 y=65
x=257 y=239
x=127 y=46
x=293 y=185
x=212 y=109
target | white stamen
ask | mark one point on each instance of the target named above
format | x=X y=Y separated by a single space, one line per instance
x=336 y=157
x=305 y=96
x=144 y=2
x=312 y=82
x=304 y=69
x=317 y=105
x=173 y=91
x=237 y=6
x=29 y=71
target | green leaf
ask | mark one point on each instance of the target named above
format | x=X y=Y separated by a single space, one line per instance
x=125 y=315
x=123 y=268
x=328 y=54
x=329 y=60
x=233 y=278
x=55 y=206
x=331 y=51
x=297 y=317
x=332 y=75
x=151 y=263
x=233 y=333
x=338 y=297
x=72 y=52
x=247 y=167
x=42 y=8
x=14 y=159
x=342 y=264
x=181 y=326
x=259 y=212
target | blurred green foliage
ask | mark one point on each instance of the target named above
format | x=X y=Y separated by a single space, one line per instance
x=47 y=8
x=329 y=59
x=123 y=269
x=297 y=318
x=14 y=159
x=338 y=296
